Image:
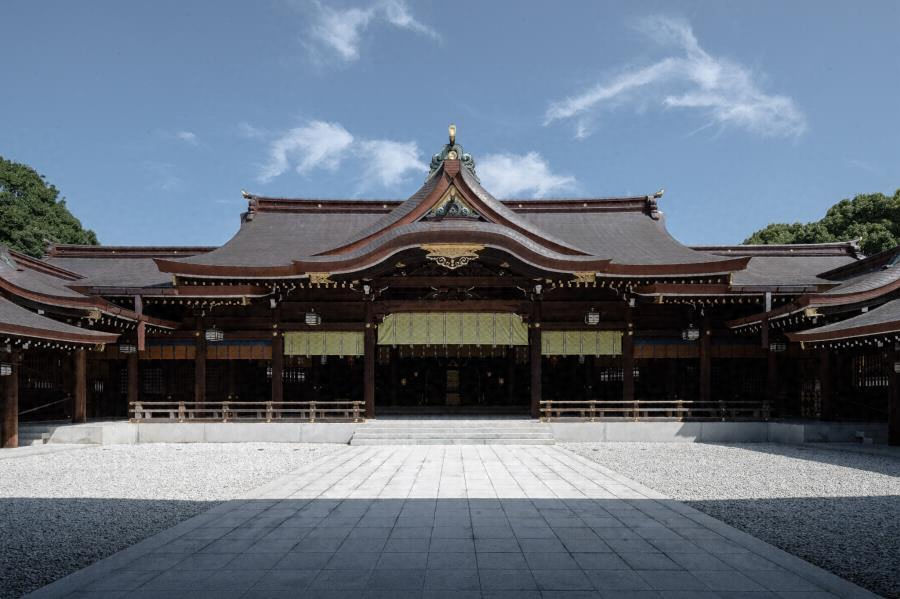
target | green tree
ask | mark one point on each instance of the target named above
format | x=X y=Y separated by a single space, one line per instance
x=31 y=213
x=873 y=219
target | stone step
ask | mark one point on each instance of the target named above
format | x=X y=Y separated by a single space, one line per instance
x=451 y=441
x=446 y=434
x=453 y=431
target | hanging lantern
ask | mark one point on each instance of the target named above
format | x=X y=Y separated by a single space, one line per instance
x=214 y=335
x=592 y=318
x=691 y=333
x=312 y=318
x=127 y=348
x=897 y=367
x=5 y=369
x=777 y=346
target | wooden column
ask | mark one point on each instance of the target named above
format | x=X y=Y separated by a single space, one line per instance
x=133 y=378
x=534 y=342
x=511 y=375
x=9 y=437
x=628 y=356
x=825 y=388
x=395 y=374
x=894 y=402
x=369 y=362
x=705 y=360
x=771 y=369
x=79 y=395
x=277 y=367
x=200 y=367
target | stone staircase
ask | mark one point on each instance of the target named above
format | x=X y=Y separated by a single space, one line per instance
x=446 y=431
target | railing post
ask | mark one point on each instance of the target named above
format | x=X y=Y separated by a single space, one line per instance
x=679 y=407
x=181 y=411
x=224 y=411
x=269 y=411
x=766 y=412
x=312 y=411
x=637 y=410
x=593 y=410
x=137 y=409
x=355 y=411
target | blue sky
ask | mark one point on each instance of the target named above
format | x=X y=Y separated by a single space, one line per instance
x=151 y=117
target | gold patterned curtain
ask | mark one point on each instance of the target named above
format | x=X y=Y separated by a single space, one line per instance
x=323 y=343
x=452 y=328
x=581 y=343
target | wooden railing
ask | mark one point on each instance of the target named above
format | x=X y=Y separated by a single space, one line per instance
x=656 y=409
x=247 y=411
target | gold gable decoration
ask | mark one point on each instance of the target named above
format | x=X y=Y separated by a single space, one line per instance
x=581 y=343
x=453 y=328
x=451 y=255
x=323 y=343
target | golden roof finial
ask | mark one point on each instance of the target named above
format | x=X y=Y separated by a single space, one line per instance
x=452 y=129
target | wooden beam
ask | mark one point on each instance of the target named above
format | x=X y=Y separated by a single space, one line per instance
x=79 y=395
x=628 y=356
x=9 y=437
x=369 y=361
x=534 y=342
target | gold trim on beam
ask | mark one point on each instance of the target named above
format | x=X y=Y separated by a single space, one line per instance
x=320 y=278
x=451 y=255
x=584 y=277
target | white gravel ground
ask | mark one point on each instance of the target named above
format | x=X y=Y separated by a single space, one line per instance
x=836 y=509
x=60 y=512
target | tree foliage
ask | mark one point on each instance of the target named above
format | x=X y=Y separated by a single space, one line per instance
x=31 y=213
x=873 y=219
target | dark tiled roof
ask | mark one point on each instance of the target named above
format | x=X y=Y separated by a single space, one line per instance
x=16 y=320
x=867 y=282
x=788 y=271
x=114 y=272
x=837 y=248
x=19 y=273
x=885 y=314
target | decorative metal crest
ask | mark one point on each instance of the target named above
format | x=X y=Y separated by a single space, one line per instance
x=584 y=277
x=452 y=207
x=452 y=151
x=320 y=278
x=451 y=255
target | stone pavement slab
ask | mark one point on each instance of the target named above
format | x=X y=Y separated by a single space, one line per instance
x=461 y=521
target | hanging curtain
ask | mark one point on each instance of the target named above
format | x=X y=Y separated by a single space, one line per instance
x=452 y=328
x=581 y=343
x=323 y=343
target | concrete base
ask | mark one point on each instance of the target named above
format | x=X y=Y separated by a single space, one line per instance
x=718 y=432
x=795 y=432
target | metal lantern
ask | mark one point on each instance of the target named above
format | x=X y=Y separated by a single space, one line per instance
x=5 y=369
x=214 y=335
x=897 y=367
x=592 y=318
x=777 y=346
x=313 y=319
x=691 y=333
x=127 y=348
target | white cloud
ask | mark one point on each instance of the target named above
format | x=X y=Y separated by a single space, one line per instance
x=187 y=136
x=389 y=161
x=323 y=145
x=315 y=145
x=725 y=91
x=248 y=131
x=510 y=175
x=340 y=31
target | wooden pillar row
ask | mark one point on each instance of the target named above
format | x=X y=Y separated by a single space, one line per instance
x=894 y=402
x=9 y=436
x=200 y=367
x=706 y=361
x=628 y=356
x=79 y=394
x=369 y=361
x=534 y=346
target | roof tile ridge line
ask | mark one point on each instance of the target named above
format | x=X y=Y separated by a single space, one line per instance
x=119 y=251
x=101 y=337
x=646 y=203
x=797 y=249
x=44 y=267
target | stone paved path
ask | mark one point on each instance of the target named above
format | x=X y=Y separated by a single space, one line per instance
x=453 y=521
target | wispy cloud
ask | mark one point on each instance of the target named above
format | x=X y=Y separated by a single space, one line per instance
x=510 y=175
x=726 y=92
x=248 y=131
x=163 y=176
x=339 y=32
x=864 y=166
x=323 y=145
x=188 y=137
